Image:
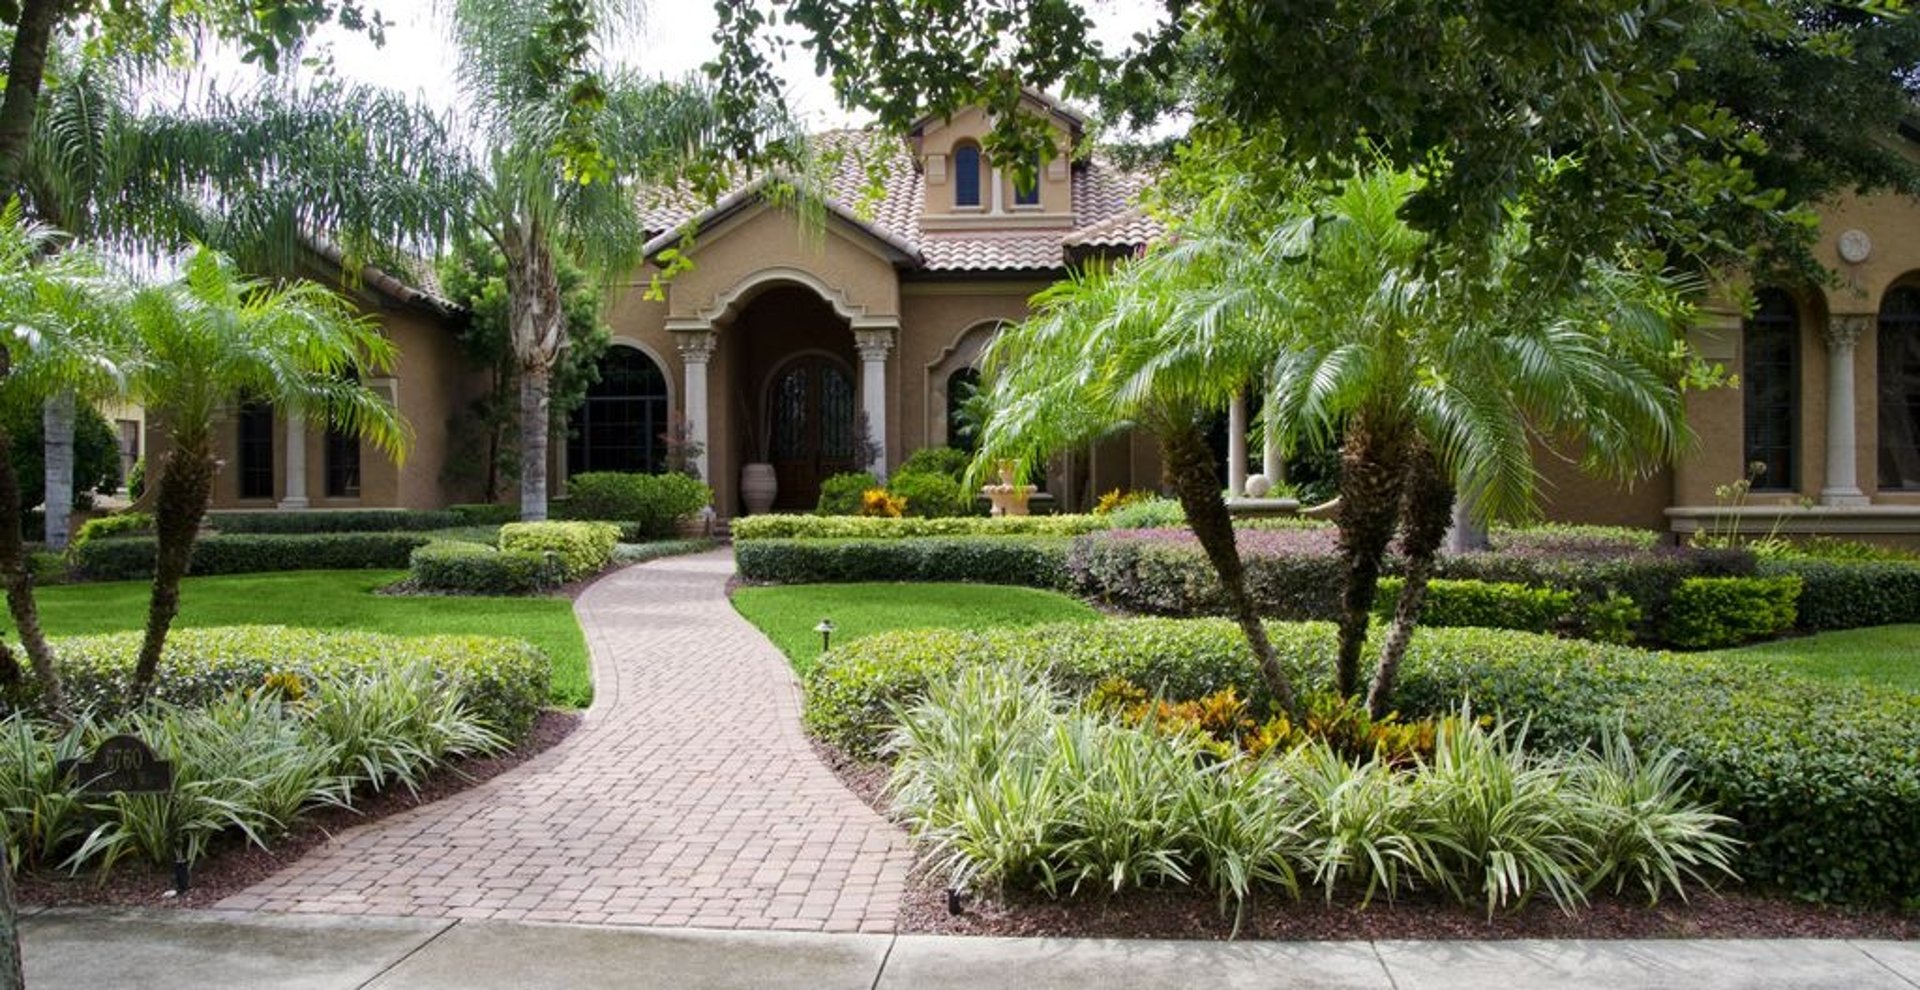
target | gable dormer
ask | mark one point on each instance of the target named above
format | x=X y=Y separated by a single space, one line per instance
x=964 y=191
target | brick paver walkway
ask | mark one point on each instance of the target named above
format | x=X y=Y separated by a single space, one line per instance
x=688 y=796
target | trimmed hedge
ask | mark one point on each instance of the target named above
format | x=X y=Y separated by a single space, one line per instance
x=640 y=553
x=1483 y=604
x=485 y=513
x=1847 y=595
x=118 y=524
x=582 y=549
x=652 y=504
x=791 y=527
x=1712 y=612
x=1033 y=561
x=474 y=569
x=843 y=494
x=335 y=521
x=128 y=558
x=502 y=680
x=1294 y=574
x=1823 y=778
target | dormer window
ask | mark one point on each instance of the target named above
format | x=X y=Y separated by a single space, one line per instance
x=1027 y=194
x=966 y=175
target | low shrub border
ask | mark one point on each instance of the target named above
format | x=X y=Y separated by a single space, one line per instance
x=792 y=527
x=1484 y=604
x=1848 y=595
x=1294 y=574
x=129 y=558
x=504 y=681
x=1032 y=561
x=1823 y=778
x=474 y=569
x=335 y=521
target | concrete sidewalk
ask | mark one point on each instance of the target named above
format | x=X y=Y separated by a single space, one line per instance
x=219 y=950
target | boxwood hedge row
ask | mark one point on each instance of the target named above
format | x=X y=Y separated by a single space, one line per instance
x=1033 y=561
x=130 y=557
x=1823 y=778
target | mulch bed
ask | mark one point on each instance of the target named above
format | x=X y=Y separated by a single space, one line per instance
x=236 y=867
x=1187 y=914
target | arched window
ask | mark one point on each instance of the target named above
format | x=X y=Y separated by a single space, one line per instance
x=620 y=424
x=962 y=432
x=254 y=449
x=966 y=175
x=1770 y=385
x=1029 y=194
x=1899 y=377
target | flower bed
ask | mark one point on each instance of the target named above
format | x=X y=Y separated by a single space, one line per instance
x=1823 y=780
x=1032 y=561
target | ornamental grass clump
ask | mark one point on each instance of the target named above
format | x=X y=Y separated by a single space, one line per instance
x=247 y=765
x=1008 y=786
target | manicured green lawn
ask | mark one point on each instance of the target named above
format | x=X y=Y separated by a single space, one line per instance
x=330 y=600
x=1888 y=655
x=789 y=613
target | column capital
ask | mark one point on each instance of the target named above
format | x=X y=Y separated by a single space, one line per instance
x=696 y=346
x=874 y=343
x=1843 y=330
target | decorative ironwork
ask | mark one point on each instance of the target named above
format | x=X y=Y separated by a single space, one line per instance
x=1770 y=386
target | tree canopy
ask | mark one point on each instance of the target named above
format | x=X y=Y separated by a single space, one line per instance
x=1699 y=127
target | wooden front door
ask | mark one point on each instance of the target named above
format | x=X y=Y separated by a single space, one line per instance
x=811 y=408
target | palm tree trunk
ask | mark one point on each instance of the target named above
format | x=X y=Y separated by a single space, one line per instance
x=1426 y=513
x=1371 y=473
x=18 y=577
x=1189 y=469
x=533 y=443
x=12 y=976
x=57 y=423
x=26 y=67
x=185 y=482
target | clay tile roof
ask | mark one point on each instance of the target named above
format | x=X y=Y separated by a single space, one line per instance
x=875 y=184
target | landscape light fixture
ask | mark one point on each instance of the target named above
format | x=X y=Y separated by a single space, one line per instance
x=825 y=629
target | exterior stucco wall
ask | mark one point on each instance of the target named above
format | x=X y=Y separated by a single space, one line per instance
x=972 y=125
x=429 y=382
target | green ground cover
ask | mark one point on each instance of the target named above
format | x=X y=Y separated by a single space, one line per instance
x=1886 y=655
x=330 y=600
x=788 y=614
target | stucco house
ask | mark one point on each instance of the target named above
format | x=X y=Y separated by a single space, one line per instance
x=786 y=331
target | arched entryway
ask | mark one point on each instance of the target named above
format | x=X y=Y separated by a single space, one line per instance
x=622 y=423
x=811 y=420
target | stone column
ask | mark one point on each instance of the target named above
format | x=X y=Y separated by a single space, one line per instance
x=875 y=345
x=1842 y=486
x=296 y=494
x=1237 y=446
x=696 y=351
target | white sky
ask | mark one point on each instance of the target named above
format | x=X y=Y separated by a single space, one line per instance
x=677 y=39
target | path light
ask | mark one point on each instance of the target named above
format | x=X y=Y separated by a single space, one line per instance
x=825 y=629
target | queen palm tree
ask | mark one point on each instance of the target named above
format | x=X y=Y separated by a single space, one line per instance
x=212 y=339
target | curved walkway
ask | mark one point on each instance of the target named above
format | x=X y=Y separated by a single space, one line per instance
x=688 y=796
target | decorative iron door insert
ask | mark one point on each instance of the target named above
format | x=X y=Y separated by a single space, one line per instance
x=810 y=405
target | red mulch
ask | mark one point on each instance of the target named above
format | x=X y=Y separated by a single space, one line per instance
x=237 y=866
x=1736 y=912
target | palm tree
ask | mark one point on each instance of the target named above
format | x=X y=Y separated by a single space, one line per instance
x=567 y=145
x=64 y=338
x=1113 y=347
x=212 y=339
x=1441 y=377
x=1432 y=378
